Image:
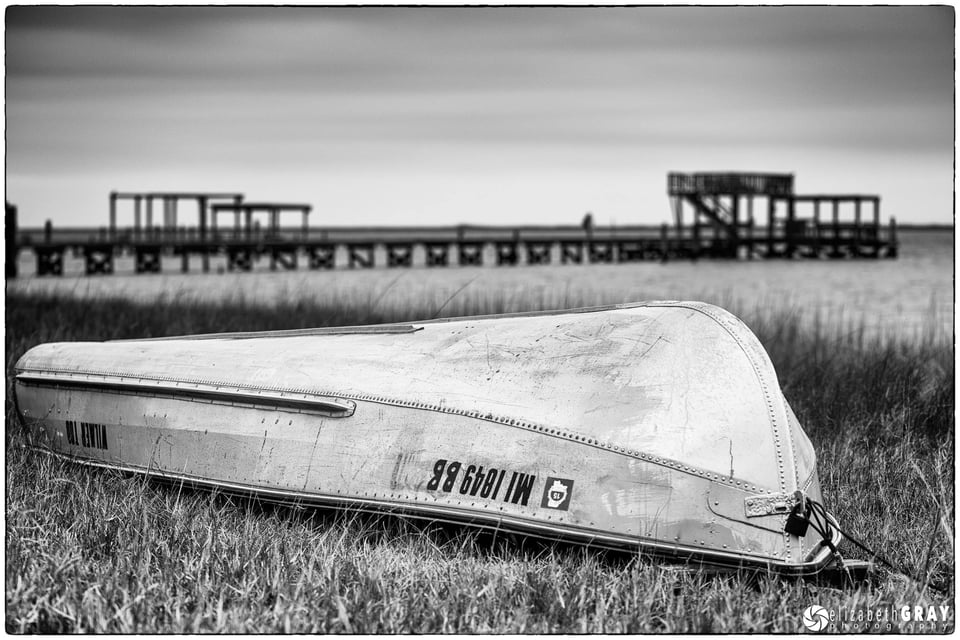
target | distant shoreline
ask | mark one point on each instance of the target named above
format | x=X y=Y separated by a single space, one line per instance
x=924 y=227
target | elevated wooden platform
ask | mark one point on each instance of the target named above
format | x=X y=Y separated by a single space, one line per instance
x=724 y=223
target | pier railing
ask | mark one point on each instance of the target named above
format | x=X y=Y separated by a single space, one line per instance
x=763 y=184
x=326 y=248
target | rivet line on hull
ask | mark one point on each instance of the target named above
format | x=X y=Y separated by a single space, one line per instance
x=771 y=412
x=487 y=416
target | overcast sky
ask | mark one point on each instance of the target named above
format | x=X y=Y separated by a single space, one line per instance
x=499 y=115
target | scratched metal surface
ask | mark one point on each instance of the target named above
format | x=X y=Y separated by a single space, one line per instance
x=647 y=423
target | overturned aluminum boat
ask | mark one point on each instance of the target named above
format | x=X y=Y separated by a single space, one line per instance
x=658 y=427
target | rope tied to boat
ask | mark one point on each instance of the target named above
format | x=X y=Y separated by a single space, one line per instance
x=809 y=512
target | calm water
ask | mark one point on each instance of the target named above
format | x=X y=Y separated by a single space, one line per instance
x=910 y=296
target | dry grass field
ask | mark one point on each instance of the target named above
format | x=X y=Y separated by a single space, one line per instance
x=93 y=551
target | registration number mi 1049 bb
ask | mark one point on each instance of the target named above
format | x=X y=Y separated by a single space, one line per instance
x=475 y=481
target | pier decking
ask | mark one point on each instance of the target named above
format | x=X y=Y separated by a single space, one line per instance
x=723 y=224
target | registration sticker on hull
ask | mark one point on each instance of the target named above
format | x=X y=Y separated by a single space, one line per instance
x=557 y=494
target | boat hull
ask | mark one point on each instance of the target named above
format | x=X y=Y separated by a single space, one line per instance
x=436 y=457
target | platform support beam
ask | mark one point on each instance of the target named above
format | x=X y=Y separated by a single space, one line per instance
x=239 y=258
x=147 y=258
x=286 y=257
x=470 y=253
x=571 y=251
x=321 y=256
x=113 y=215
x=399 y=254
x=856 y=230
x=771 y=232
x=437 y=254
x=149 y=214
x=49 y=260
x=601 y=251
x=816 y=228
x=360 y=255
x=538 y=252
x=10 y=236
x=98 y=258
x=507 y=253
x=202 y=208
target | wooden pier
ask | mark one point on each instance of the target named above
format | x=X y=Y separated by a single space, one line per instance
x=723 y=209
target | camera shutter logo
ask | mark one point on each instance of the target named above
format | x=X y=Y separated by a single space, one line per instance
x=816 y=618
x=556 y=494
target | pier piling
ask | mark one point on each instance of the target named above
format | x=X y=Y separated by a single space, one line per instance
x=10 y=235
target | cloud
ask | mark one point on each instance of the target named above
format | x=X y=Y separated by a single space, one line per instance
x=267 y=89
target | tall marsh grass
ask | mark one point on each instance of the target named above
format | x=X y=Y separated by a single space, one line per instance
x=93 y=551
